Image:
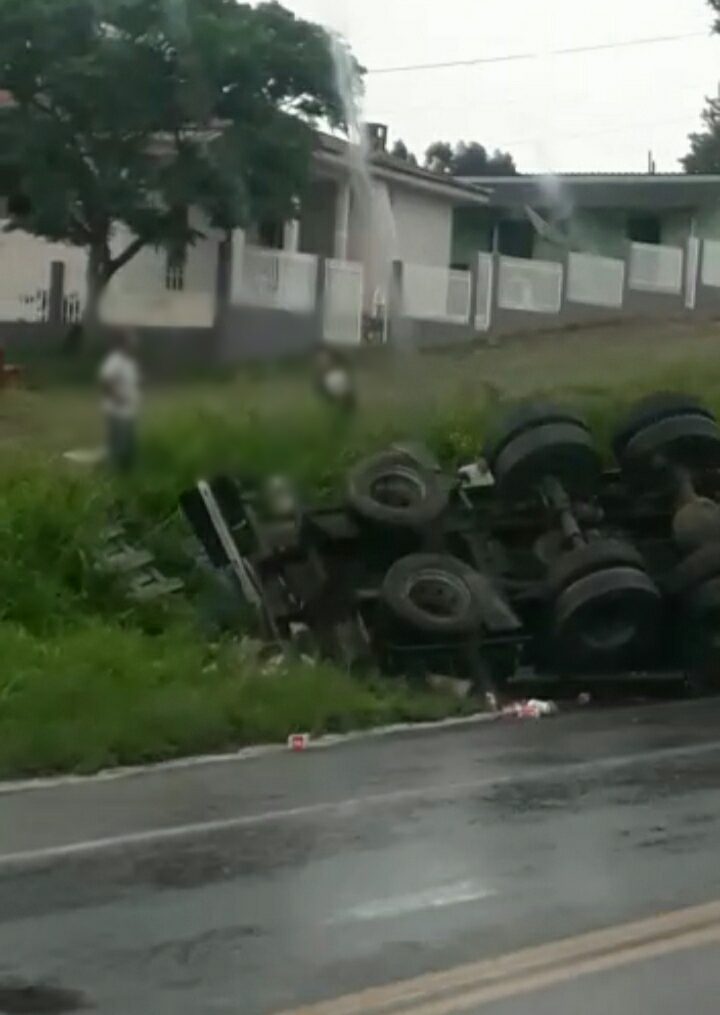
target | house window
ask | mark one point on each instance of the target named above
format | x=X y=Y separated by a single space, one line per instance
x=175 y=263
x=271 y=233
x=516 y=238
x=644 y=228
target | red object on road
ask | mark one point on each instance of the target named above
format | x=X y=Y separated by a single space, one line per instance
x=533 y=709
x=299 y=741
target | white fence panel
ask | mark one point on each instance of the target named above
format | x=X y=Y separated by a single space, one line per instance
x=277 y=280
x=656 y=269
x=595 y=281
x=485 y=276
x=531 y=286
x=25 y=265
x=711 y=263
x=343 y=302
x=436 y=294
x=692 y=266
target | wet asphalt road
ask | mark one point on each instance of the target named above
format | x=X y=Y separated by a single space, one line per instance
x=252 y=887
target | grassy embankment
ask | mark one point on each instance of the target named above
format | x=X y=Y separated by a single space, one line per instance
x=89 y=680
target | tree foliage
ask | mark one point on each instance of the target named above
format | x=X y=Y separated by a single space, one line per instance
x=134 y=111
x=468 y=159
x=401 y=151
x=704 y=154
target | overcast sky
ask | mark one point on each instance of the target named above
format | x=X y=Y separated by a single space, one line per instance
x=590 y=111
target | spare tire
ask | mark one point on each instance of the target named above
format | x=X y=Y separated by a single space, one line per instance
x=584 y=560
x=654 y=409
x=435 y=594
x=391 y=489
x=521 y=418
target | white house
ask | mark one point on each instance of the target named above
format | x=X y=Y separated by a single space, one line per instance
x=360 y=213
x=379 y=209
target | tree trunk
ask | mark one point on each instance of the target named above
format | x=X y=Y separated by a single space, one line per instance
x=101 y=268
x=97 y=277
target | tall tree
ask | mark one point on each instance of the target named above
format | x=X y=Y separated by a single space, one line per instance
x=473 y=160
x=134 y=111
x=468 y=159
x=401 y=151
x=704 y=154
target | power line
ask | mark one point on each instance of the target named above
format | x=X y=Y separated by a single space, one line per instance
x=514 y=57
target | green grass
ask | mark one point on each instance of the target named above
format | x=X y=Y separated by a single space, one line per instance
x=97 y=695
x=90 y=680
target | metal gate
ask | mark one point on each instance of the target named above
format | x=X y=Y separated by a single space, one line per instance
x=343 y=303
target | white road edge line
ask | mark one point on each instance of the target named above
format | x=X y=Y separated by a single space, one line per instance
x=340 y=808
x=244 y=754
x=265 y=750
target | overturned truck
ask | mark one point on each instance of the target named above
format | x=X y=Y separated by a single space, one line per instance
x=537 y=561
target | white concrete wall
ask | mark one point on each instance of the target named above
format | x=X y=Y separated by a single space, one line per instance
x=25 y=262
x=397 y=223
x=138 y=294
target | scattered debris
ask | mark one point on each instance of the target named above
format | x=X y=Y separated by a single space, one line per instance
x=86 y=456
x=135 y=567
x=476 y=476
x=532 y=709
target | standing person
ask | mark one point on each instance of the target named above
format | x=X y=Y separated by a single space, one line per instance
x=120 y=383
x=334 y=382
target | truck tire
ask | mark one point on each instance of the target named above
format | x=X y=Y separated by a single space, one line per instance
x=391 y=489
x=435 y=594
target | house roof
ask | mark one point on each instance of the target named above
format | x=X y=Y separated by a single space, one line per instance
x=333 y=152
x=643 y=191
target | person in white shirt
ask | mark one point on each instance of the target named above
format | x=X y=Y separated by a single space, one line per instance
x=120 y=383
x=334 y=382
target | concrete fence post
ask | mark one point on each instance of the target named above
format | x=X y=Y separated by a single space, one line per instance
x=56 y=293
x=395 y=302
x=692 y=272
x=493 y=336
x=221 y=339
x=320 y=285
x=474 y=282
x=565 y=262
x=223 y=279
x=627 y=289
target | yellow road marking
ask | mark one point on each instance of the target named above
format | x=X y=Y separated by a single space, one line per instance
x=477 y=983
x=473 y=1000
